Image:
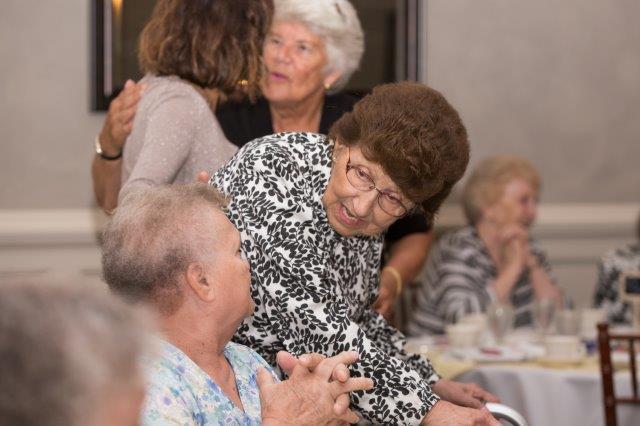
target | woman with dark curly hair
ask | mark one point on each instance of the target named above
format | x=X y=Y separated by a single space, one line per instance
x=311 y=211
x=192 y=53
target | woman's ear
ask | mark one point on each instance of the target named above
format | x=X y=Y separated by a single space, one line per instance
x=200 y=282
x=331 y=78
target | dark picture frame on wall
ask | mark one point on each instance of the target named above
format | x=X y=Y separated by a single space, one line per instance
x=395 y=40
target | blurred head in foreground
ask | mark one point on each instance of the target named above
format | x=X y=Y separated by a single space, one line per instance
x=68 y=356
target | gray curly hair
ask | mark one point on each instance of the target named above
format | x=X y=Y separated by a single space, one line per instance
x=62 y=349
x=336 y=23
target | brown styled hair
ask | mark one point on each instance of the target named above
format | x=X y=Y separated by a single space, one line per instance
x=211 y=43
x=414 y=134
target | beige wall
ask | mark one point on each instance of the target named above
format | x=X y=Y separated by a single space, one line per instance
x=46 y=129
x=555 y=81
x=558 y=82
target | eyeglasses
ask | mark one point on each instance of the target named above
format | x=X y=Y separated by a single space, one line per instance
x=360 y=180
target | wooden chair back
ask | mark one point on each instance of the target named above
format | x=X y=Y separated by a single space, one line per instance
x=606 y=369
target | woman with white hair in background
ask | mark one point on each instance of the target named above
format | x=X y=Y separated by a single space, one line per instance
x=309 y=55
x=492 y=259
x=69 y=357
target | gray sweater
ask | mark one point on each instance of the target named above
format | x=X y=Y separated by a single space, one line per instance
x=175 y=135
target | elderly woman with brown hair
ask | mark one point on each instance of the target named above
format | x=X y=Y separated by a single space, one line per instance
x=192 y=53
x=309 y=55
x=492 y=259
x=311 y=211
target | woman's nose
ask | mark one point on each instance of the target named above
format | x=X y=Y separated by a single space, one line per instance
x=364 y=202
x=283 y=53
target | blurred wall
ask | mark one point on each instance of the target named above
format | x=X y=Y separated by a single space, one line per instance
x=556 y=82
x=46 y=129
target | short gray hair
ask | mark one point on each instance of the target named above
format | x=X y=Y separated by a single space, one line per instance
x=336 y=23
x=62 y=348
x=152 y=238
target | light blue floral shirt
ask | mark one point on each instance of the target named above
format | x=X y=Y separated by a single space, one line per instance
x=181 y=393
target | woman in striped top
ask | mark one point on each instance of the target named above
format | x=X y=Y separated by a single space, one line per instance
x=493 y=258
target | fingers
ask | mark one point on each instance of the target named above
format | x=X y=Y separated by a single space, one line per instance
x=325 y=369
x=285 y=360
x=341 y=405
x=350 y=417
x=340 y=373
x=311 y=360
x=485 y=396
x=352 y=385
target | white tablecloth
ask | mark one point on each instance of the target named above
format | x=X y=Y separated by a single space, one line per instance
x=547 y=396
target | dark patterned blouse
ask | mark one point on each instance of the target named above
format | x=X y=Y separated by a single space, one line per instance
x=455 y=282
x=312 y=287
x=610 y=267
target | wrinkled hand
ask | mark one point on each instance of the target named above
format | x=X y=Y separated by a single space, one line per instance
x=310 y=397
x=119 y=122
x=386 y=301
x=445 y=413
x=514 y=239
x=464 y=394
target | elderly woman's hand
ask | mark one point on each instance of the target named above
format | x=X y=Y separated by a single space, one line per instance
x=465 y=394
x=386 y=301
x=310 y=397
x=119 y=121
x=445 y=413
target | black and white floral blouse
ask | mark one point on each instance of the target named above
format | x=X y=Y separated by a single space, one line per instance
x=610 y=267
x=312 y=287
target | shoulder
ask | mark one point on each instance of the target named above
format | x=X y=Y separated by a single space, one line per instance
x=283 y=149
x=622 y=254
x=172 y=91
x=465 y=237
x=244 y=353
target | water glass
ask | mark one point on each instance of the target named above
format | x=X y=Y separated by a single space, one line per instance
x=543 y=314
x=500 y=318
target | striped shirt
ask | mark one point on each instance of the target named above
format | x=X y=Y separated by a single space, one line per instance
x=455 y=282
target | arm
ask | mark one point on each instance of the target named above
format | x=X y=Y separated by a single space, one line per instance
x=106 y=174
x=544 y=286
x=296 y=294
x=406 y=256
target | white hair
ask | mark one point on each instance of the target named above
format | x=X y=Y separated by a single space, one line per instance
x=336 y=23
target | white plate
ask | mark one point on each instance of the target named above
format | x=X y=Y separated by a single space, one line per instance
x=488 y=355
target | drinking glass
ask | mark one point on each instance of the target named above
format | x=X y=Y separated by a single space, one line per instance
x=543 y=315
x=500 y=319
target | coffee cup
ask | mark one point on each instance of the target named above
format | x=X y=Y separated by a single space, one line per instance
x=589 y=322
x=478 y=319
x=568 y=322
x=563 y=347
x=462 y=335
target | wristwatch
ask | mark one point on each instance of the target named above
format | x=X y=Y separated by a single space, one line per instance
x=101 y=153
